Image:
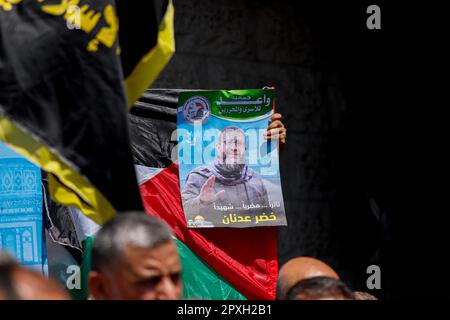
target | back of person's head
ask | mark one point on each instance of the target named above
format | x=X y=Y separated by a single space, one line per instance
x=135 y=257
x=7 y=265
x=360 y=295
x=320 y=288
x=18 y=283
x=135 y=229
x=300 y=268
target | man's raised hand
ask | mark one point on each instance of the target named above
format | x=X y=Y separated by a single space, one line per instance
x=207 y=193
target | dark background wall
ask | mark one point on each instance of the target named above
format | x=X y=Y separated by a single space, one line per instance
x=344 y=176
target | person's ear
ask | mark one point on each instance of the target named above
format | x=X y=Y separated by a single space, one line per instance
x=219 y=147
x=97 y=286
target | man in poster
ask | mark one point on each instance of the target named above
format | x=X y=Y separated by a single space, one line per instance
x=228 y=182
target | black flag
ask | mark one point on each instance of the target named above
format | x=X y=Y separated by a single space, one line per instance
x=67 y=75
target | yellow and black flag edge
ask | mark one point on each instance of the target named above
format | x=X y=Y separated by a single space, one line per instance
x=153 y=62
x=69 y=184
x=66 y=185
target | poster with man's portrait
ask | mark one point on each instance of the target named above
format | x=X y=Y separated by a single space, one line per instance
x=229 y=172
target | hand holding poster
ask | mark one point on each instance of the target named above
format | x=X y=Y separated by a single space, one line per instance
x=229 y=173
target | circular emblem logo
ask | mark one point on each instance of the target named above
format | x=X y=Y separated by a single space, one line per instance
x=196 y=109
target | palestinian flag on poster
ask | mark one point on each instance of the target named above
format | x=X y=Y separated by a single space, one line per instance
x=219 y=263
x=68 y=73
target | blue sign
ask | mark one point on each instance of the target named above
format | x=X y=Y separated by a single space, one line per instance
x=228 y=169
x=21 y=231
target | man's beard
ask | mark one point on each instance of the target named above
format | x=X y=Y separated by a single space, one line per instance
x=230 y=169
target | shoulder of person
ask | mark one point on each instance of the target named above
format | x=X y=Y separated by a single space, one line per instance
x=255 y=177
x=253 y=174
x=201 y=172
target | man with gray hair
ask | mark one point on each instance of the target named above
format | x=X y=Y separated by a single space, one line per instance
x=135 y=258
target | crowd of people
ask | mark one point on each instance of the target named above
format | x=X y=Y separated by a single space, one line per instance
x=135 y=257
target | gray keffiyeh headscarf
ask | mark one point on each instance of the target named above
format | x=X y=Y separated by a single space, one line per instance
x=230 y=174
